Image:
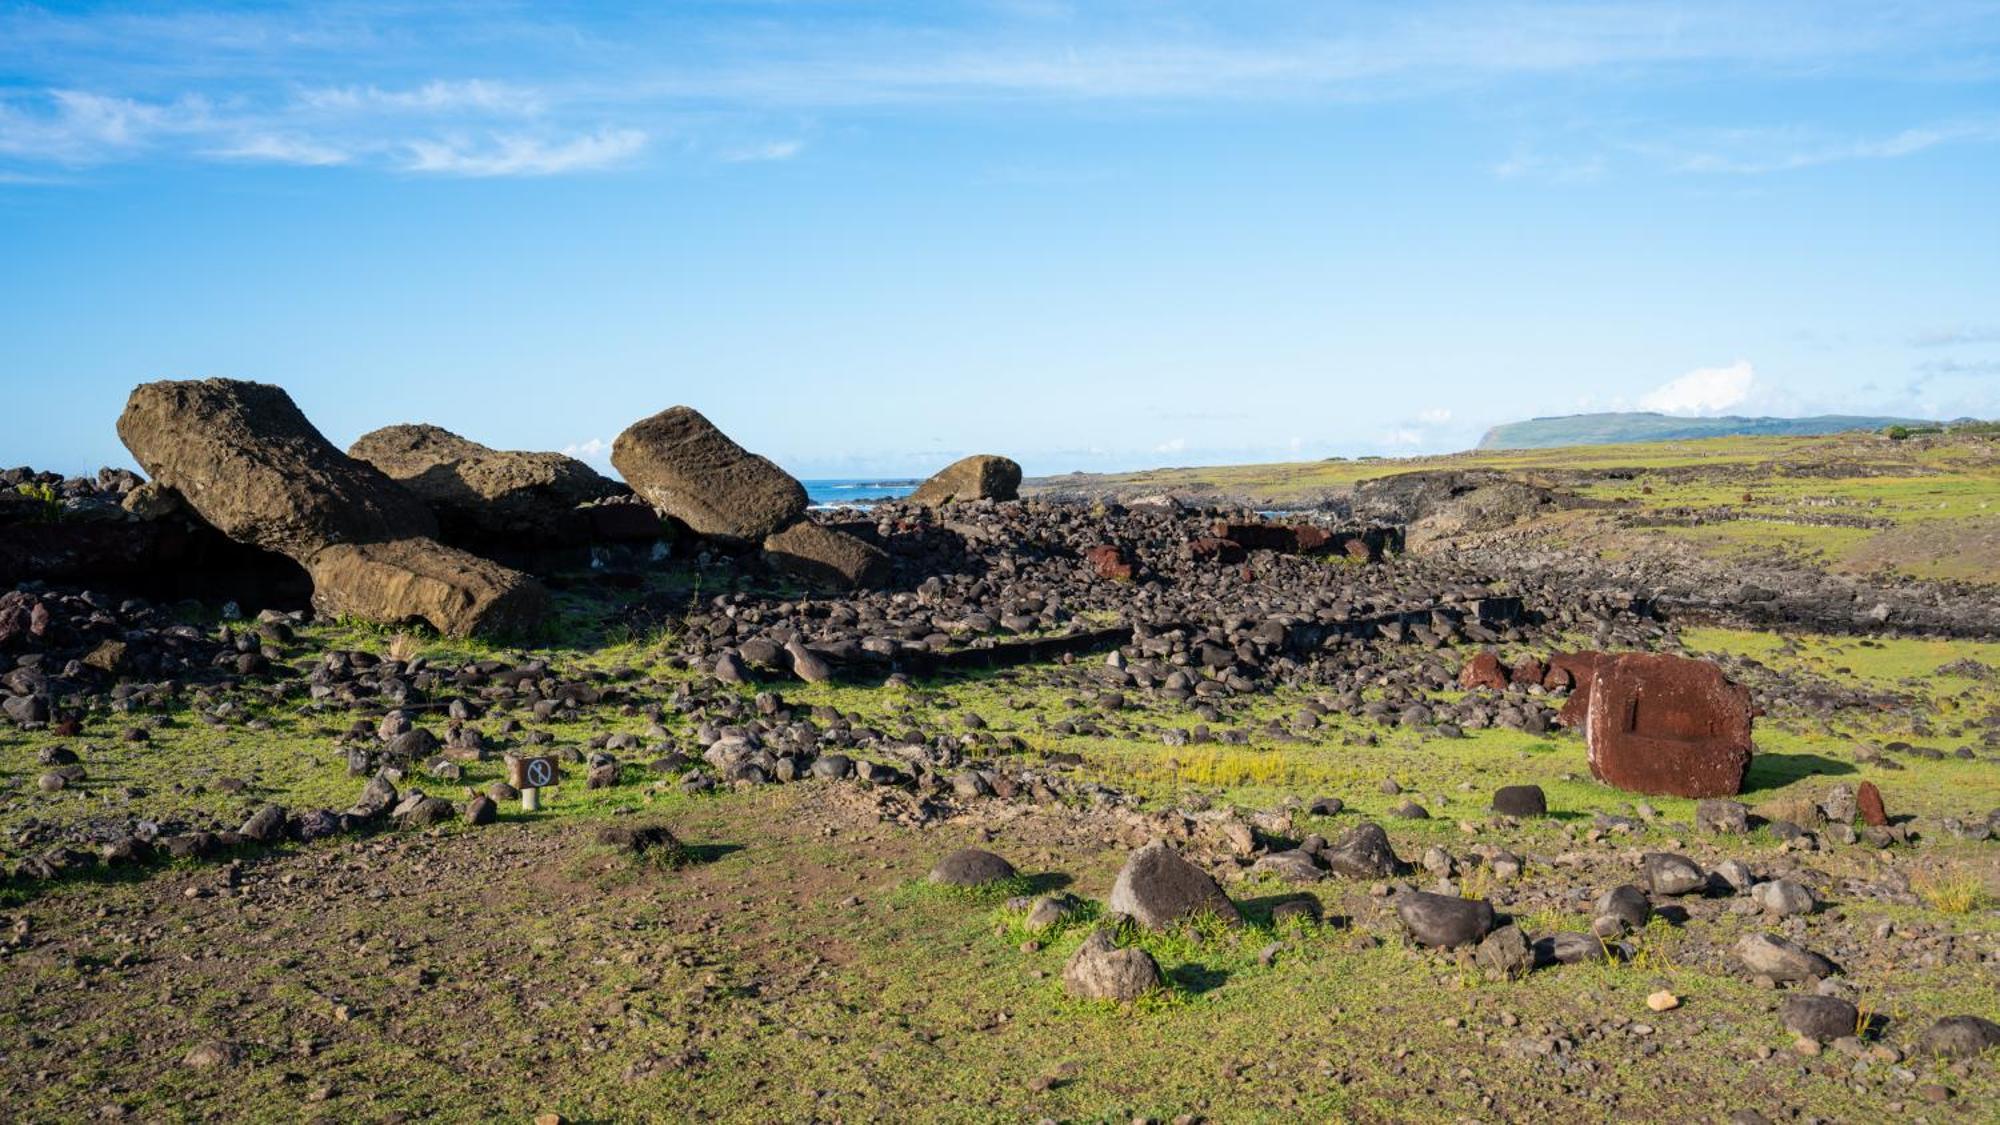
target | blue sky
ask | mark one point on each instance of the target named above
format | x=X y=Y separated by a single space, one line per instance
x=868 y=238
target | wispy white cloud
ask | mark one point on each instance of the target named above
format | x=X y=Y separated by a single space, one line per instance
x=1760 y=152
x=1960 y=367
x=77 y=127
x=516 y=155
x=279 y=149
x=1524 y=165
x=1956 y=334
x=770 y=150
x=353 y=77
x=1172 y=445
x=437 y=96
x=1703 y=391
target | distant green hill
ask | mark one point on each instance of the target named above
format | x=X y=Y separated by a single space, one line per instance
x=1610 y=429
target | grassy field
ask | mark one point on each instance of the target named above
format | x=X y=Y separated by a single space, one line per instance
x=1924 y=507
x=803 y=970
x=799 y=968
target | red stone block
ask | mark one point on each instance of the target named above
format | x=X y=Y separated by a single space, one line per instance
x=1667 y=725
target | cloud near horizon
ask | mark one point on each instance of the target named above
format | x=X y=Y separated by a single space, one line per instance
x=1703 y=392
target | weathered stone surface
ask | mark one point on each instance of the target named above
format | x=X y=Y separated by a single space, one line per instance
x=1626 y=905
x=419 y=579
x=1667 y=725
x=827 y=558
x=249 y=463
x=1722 y=817
x=1293 y=866
x=1781 y=960
x=1364 y=852
x=1781 y=897
x=244 y=457
x=1158 y=888
x=1110 y=562
x=265 y=826
x=1670 y=874
x=1959 y=1037
x=1868 y=799
x=1574 y=671
x=982 y=476
x=1444 y=921
x=970 y=867
x=1099 y=970
x=478 y=492
x=1820 y=1018
x=692 y=471
x=1484 y=670
x=1520 y=800
x=1209 y=548
x=1505 y=954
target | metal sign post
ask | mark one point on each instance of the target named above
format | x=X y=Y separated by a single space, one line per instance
x=530 y=775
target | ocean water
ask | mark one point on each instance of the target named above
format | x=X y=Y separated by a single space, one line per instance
x=855 y=493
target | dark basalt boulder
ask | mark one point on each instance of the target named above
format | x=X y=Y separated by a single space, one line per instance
x=1444 y=921
x=1364 y=853
x=1099 y=970
x=970 y=867
x=1959 y=1037
x=1157 y=888
x=1820 y=1018
x=1520 y=800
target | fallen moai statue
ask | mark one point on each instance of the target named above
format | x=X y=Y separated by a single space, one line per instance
x=681 y=464
x=244 y=458
x=482 y=494
x=982 y=476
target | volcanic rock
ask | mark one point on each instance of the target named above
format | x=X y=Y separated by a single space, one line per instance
x=1959 y=1037
x=1505 y=954
x=1110 y=562
x=1723 y=817
x=1364 y=852
x=1669 y=874
x=457 y=593
x=1484 y=670
x=479 y=493
x=244 y=458
x=1869 y=800
x=1099 y=970
x=982 y=476
x=1444 y=921
x=1668 y=725
x=1520 y=800
x=1772 y=956
x=1158 y=888
x=970 y=867
x=690 y=470
x=826 y=558
x=1822 y=1019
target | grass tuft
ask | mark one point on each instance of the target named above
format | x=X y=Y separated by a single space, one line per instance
x=1951 y=890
